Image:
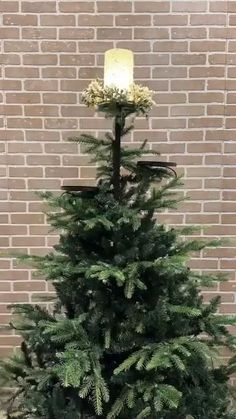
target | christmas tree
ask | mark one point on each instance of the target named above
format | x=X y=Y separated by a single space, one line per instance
x=129 y=335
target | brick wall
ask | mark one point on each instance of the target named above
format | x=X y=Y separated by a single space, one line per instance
x=50 y=50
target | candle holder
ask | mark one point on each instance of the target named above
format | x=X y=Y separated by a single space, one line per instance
x=118 y=98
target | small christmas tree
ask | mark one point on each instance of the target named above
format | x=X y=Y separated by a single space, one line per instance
x=129 y=335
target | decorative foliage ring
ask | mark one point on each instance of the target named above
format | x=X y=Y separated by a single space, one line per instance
x=137 y=99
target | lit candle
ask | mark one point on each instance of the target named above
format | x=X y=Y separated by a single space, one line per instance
x=118 y=68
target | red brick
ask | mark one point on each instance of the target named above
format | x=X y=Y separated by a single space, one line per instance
x=77 y=60
x=186 y=136
x=59 y=72
x=205 y=122
x=231 y=7
x=231 y=72
x=133 y=20
x=228 y=286
x=230 y=147
x=203 y=264
x=188 y=59
x=206 y=46
x=74 y=85
x=25 y=172
x=22 y=72
x=206 y=97
x=187 y=110
x=77 y=111
x=168 y=123
x=22 y=97
x=9 y=6
x=4 y=242
x=204 y=148
x=40 y=184
x=216 y=109
x=114 y=33
x=135 y=46
x=10 y=135
x=27 y=218
x=40 y=230
x=191 y=33
x=219 y=58
x=94 y=46
x=10 y=230
x=43 y=135
x=20 y=20
x=169 y=72
x=8 y=297
x=153 y=59
x=208 y=19
x=59 y=98
x=57 y=20
x=88 y=172
x=41 y=85
x=151 y=33
x=28 y=241
x=202 y=218
x=228 y=264
x=232 y=22
x=61 y=172
x=151 y=6
x=41 y=110
x=224 y=33
x=90 y=73
x=41 y=33
x=95 y=20
x=170 y=20
x=29 y=286
x=5 y=286
x=10 y=85
x=9 y=59
x=24 y=123
x=228 y=159
x=213 y=160
x=216 y=84
x=206 y=72
x=171 y=46
x=60 y=123
x=24 y=148
x=9 y=33
x=10 y=110
x=167 y=148
x=230 y=123
x=38 y=6
x=76 y=33
x=21 y=46
x=58 y=46
x=38 y=59
x=219 y=6
x=76 y=6
x=189 y=6
x=232 y=46
x=76 y=161
x=42 y=160
x=187 y=85
x=61 y=148
x=213 y=183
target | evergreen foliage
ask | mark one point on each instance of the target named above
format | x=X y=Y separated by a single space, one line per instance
x=129 y=335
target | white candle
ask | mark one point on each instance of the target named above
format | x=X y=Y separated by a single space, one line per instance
x=118 y=68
